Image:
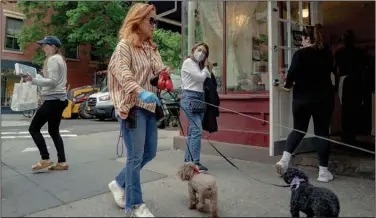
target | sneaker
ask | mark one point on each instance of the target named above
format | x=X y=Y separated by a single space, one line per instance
x=59 y=166
x=118 y=193
x=141 y=211
x=281 y=167
x=42 y=164
x=325 y=176
x=201 y=168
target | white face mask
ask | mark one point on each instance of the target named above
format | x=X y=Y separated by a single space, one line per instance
x=199 y=55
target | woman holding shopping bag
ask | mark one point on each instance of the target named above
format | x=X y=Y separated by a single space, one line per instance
x=54 y=94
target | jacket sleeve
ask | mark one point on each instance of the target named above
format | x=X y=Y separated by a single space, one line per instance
x=53 y=75
x=293 y=70
x=120 y=68
x=197 y=75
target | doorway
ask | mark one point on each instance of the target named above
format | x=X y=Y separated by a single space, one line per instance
x=285 y=22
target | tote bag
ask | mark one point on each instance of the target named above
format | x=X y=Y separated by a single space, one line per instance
x=25 y=96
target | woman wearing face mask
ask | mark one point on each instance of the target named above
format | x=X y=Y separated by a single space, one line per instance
x=54 y=94
x=195 y=70
x=313 y=96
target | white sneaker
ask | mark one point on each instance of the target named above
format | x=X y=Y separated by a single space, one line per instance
x=325 y=176
x=118 y=193
x=281 y=167
x=141 y=211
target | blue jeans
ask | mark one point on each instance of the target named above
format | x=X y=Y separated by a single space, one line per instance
x=141 y=144
x=194 y=131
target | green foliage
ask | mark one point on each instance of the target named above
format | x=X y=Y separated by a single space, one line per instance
x=88 y=22
x=169 y=46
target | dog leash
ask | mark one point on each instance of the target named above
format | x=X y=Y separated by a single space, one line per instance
x=230 y=162
x=286 y=127
x=122 y=142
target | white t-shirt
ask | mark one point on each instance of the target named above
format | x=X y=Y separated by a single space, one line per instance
x=192 y=78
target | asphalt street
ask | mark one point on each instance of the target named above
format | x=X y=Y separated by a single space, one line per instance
x=91 y=149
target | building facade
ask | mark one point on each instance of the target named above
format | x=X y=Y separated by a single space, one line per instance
x=81 y=66
x=253 y=43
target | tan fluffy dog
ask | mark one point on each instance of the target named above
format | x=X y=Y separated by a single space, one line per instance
x=200 y=187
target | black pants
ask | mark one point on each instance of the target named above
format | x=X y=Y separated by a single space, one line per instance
x=51 y=111
x=351 y=105
x=321 y=112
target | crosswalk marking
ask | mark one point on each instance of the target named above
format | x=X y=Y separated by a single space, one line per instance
x=29 y=136
x=33 y=149
x=26 y=135
x=20 y=133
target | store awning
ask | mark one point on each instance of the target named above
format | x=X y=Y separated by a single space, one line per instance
x=9 y=64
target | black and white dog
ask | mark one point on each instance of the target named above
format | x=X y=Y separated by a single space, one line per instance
x=311 y=200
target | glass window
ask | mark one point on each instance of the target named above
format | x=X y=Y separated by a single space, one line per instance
x=246 y=46
x=13 y=28
x=95 y=54
x=71 y=51
x=203 y=22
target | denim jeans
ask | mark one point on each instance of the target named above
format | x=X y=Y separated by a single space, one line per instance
x=194 y=131
x=141 y=144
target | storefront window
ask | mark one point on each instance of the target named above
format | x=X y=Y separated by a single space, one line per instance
x=203 y=22
x=246 y=46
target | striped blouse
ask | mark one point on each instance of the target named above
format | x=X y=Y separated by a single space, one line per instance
x=129 y=71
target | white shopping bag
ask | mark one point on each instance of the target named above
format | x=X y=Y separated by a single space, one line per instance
x=25 y=96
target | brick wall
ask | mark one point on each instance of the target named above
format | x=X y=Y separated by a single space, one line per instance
x=80 y=71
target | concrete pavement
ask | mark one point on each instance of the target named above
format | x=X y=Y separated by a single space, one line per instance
x=82 y=190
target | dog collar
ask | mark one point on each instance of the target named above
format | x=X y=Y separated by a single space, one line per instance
x=196 y=170
x=296 y=181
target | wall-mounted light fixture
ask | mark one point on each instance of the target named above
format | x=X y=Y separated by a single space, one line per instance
x=305 y=12
x=241 y=19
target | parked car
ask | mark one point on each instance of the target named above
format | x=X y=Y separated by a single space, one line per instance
x=101 y=106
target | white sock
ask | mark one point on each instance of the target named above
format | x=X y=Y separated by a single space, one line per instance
x=323 y=169
x=286 y=156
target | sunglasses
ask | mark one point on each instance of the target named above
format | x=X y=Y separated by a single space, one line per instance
x=153 y=21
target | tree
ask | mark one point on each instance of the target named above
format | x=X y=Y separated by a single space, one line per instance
x=88 y=22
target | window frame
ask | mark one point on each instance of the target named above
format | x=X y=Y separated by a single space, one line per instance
x=6 y=33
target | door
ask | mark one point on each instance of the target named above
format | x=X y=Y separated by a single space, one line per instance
x=285 y=22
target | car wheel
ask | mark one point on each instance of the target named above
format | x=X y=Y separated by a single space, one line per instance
x=82 y=111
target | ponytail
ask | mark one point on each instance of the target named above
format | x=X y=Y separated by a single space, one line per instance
x=319 y=39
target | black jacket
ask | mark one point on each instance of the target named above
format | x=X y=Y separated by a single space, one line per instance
x=310 y=70
x=211 y=96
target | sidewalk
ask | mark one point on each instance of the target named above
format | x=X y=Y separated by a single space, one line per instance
x=82 y=190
